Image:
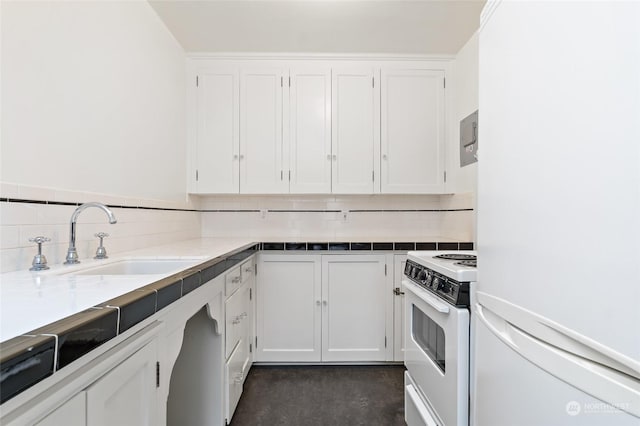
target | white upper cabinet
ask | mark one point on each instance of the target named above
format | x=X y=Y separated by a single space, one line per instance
x=317 y=127
x=217 y=131
x=261 y=94
x=355 y=130
x=310 y=130
x=412 y=131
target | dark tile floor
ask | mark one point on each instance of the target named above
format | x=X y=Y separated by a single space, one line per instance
x=322 y=396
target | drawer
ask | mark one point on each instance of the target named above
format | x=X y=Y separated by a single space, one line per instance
x=247 y=269
x=233 y=280
x=235 y=317
x=416 y=412
x=234 y=379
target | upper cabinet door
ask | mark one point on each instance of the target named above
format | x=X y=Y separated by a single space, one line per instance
x=413 y=131
x=261 y=93
x=217 y=131
x=355 y=130
x=310 y=131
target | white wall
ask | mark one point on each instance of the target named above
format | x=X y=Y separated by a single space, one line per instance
x=92 y=99
x=465 y=102
x=93 y=109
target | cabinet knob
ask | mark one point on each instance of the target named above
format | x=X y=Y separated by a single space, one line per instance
x=324 y=302
x=384 y=157
x=335 y=157
x=318 y=303
x=235 y=156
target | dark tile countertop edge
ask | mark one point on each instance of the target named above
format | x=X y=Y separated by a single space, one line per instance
x=364 y=246
x=26 y=360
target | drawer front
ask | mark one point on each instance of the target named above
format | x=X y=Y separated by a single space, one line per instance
x=233 y=280
x=247 y=269
x=234 y=319
x=234 y=379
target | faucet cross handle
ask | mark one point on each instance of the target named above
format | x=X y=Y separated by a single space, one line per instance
x=101 y=235
x=39 y=240
x=101 y=252
x=39 y=260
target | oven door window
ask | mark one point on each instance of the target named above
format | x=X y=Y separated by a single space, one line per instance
x=429 y=336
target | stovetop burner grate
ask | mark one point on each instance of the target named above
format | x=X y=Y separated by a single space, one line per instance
x=473 y=263
x=456 y=256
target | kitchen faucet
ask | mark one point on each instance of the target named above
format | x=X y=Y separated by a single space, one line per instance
x=72 y=254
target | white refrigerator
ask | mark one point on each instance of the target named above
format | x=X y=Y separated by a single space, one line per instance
x=556 y=311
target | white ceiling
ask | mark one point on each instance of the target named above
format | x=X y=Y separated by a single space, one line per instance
x=321 y=26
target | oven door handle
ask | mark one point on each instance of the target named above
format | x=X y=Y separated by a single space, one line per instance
x=428 y=298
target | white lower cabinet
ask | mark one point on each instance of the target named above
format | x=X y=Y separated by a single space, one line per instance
x=239 y=330
x=354 y=308
x=127 y=395
x=71 y=413
x=288 y=308
x=313 y=308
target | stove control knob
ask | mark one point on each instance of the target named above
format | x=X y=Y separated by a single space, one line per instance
x=436 y=283
x=422 y=276
x=409 y=270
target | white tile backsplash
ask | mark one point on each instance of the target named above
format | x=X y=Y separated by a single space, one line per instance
x=136 y=228
x=377 y=221
x=307 y=217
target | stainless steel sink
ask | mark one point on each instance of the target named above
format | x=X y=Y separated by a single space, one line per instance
x=138 y=267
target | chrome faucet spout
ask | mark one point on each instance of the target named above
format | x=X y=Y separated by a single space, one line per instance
x=72 y=254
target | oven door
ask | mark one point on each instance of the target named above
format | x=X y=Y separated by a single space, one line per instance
x=437 y=354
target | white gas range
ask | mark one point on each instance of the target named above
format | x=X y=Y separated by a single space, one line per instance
x=437 y=335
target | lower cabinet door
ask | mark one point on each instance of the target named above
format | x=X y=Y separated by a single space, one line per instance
x=354 y=308
x=126 y=396
x=288 y=308
x=71 y=413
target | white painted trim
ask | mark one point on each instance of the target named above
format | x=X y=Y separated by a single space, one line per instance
x=318 y=56
x=487 y=12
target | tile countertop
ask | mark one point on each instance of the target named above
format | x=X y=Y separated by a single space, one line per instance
x=30 y=300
